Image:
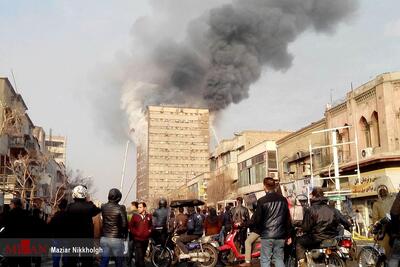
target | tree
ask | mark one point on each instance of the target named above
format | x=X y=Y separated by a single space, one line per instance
x=219 y=188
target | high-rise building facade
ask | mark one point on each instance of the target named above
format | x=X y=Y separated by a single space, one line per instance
x=176 y=149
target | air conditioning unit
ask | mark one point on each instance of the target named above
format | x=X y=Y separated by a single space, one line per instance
x=367 y=152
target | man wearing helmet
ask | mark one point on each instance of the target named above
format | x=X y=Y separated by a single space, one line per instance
x=160 y=218
x=79 y=223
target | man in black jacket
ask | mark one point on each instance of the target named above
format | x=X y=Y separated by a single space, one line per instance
x=240 y=218
x=79 y=224
x=273 y=221
x=115 y=229
x=319 y=223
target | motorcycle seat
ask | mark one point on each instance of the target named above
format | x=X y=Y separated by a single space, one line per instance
x=328 y=243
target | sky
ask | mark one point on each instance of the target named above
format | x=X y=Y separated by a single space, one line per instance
x=64 y=54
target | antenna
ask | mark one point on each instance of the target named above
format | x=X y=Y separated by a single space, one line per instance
x=331 y=96
x=15 y=83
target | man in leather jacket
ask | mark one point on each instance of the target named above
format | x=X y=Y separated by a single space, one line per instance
x=115 y=229
x=273 y=222
x=320 y=222
x=160 y=219
x=240 y=218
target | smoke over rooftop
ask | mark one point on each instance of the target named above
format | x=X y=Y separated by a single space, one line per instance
x=212 y=58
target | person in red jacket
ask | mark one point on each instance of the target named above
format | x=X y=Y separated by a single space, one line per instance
x=140 y=227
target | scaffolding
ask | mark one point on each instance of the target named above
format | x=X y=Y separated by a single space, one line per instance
x=338 y=193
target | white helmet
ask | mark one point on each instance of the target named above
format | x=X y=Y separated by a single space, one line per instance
x=79 y=192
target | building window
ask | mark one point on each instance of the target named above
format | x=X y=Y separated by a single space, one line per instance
x=366 y=132
x=272 y=160
x=376 y=142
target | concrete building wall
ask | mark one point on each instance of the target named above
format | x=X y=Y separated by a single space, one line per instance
x=57 y=146
x=293 y=152
x=178 y=149
x=265 y=165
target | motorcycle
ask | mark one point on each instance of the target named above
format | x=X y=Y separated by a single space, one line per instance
x=329 y=253
x=203 y=250
x=230 y=254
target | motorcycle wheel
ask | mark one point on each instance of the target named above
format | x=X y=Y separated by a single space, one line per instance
x=161 y=257
x=213 y=258
x=336 y=261
x=370 y=257
x=224 y=258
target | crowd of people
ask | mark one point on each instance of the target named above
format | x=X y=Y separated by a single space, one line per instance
x=124 y=234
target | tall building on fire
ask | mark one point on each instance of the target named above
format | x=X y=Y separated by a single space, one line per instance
x=176 y=148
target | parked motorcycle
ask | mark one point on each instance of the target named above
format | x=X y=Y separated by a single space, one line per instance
x=230 y=254
x=203 y=250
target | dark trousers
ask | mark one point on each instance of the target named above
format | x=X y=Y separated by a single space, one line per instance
x=87 y=261
x=303 y=243
x=242 y=236
x=140 y=252
x=183 y=239
x=160 y=236
x=19 y=261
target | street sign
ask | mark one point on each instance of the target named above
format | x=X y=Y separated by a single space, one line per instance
x=336 y=198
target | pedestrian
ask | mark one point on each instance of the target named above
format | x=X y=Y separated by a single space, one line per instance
x=272 y=219
x=394 y=258
x=181 y=221
x=79 y=225
x=171 y=221
x=212 y=223
x=132 y=210
x=57 y=230
x=195 y=230
x=140 y=227
x=380 y=208
x=115 y=229
x=160 y=220
x=40 y=232
x=17 y=225
x=359 y=220
x=251 y=238
x=240 y=218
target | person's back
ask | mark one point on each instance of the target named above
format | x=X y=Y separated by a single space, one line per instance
x=320 y=220
x=273 y=216
x=212 y=224
x=80 y=213
x=195 y=224
x=240 y=214
x=17 y=221
x=115 y=223
x=181 y=222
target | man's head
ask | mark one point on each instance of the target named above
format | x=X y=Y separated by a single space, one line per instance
x=317 y=192
x=142 y=208
x=114 y=196
x=162 y=203
x=80 y=192
x=181 y=210
x=239 y=201
x=191 y=210
x=383 y=192
x=134 y=205
x=269 y=184
x=15 y=203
